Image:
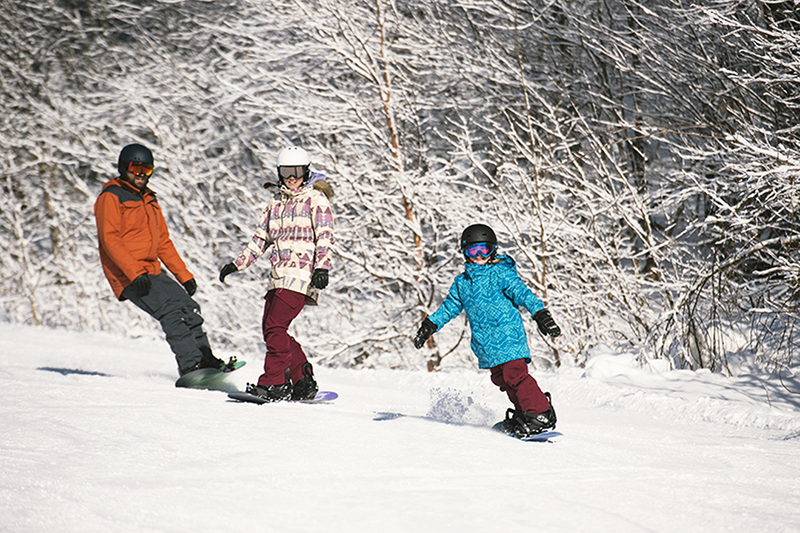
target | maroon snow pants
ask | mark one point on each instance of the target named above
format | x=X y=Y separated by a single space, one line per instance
x=523 y=391
x=281 y=307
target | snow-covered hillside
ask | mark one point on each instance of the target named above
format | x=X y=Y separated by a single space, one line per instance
x=96 y=438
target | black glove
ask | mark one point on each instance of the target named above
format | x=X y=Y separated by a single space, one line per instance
x=230 y=268
x=546 y=323
x=425 y=331
x=319 y=278
x=190 y=286
x=142 y=284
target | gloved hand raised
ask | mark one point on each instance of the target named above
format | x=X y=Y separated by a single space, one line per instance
x=230 y=268
x=546 y=323
x=425 y=331
x=319 y=278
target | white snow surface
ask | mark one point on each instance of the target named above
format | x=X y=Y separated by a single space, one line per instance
x=95 y=437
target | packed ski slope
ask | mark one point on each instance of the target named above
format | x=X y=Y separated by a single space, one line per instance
x=95 y=438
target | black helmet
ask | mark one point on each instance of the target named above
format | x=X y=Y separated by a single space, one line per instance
x=477 y=233
x=134 y=153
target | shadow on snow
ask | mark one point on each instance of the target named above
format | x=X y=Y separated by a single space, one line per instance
x=72 y=371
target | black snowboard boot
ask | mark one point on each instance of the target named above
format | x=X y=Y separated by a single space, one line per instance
x=551 y=413
x=523 y=424
x=208 y=361
x=305 y=388
x=272 y=393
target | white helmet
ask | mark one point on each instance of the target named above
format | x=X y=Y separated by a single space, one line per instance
x=294 y=156
x=293 y=161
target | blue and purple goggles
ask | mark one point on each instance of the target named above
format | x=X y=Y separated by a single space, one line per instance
x=483 y=249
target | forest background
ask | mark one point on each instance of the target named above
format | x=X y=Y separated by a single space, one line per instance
x=636 y=158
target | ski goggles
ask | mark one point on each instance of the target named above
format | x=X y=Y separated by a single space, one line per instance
x=140 y=168
x=299 y=172
x=483 y=249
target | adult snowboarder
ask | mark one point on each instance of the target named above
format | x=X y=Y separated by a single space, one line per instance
x=491 y=293
x=133 y=241
x=298 y=224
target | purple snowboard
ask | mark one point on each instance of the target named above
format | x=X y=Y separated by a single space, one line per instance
x=322 y=396
x=545 y=436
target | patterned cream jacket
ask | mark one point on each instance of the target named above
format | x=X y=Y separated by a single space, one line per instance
x=300 y=226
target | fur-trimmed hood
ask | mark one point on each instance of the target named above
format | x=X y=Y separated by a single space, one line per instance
x=317 y=181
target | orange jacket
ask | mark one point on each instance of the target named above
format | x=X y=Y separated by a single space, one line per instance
x=133 y=236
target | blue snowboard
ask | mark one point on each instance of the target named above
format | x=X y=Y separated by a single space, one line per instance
x=322 y=396
x=209 y=379
x=544 y=436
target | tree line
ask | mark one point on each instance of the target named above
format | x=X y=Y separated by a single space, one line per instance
x=636 y=158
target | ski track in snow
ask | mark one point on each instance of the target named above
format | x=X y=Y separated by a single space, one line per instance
x=95 y=437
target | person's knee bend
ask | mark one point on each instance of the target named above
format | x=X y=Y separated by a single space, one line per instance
x=515 y=372
x=193 y=316
x=188 y=316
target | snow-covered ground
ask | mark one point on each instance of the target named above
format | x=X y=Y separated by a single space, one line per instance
x=95 y=437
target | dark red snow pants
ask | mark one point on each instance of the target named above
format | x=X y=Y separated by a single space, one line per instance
x=523 y=391
x=281 y=307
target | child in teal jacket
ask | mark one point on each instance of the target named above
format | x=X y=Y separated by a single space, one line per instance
x=491 y=293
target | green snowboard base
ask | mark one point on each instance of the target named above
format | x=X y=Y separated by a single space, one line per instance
x=209 y=379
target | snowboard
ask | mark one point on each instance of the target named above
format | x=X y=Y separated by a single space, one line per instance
x=208 y=378
x=544 y=436
x=322 y=396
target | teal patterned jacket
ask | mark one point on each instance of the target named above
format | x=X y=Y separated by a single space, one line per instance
x=491 y=295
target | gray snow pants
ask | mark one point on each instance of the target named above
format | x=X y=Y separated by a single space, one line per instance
x=180 y=318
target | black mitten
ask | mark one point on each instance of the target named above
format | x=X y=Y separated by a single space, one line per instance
x=546 y=323
x=319 y=278
x=190 y=286
x=142 y=284
x=230 y=268
x=425 y=331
